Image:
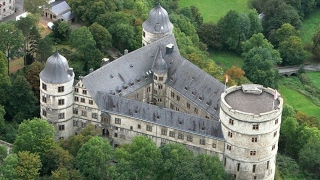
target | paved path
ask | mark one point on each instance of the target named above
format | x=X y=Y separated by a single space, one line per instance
x=294 y=69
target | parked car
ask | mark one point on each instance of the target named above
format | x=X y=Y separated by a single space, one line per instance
x=50 y=25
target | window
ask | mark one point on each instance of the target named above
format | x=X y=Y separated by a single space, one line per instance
x=76 y=98
x=83 y=100
x=180 y=136
x=61 y=116
x=171 y=133
x=117 y=120
x=202 y=141
x=231 y=121
x=148 y=89
x=255 y=127
x=273 y=147
x=254 y=168
x=172 y=94
x=253 y=153
x=214 y=145
x=84 y=91
x=164 y=131
x=188 y=105
x=84 y=113
x=178 y=98
x=61 y=138
x=76 y=90
x=189 y=138
x=196 y=110
x=149 y=128
x=139 y=126
x=177 y=109
x=155 y=91
x=230 y=134
x=61 y=127
x=254 y=139
x=90 y=101
x=94 y=115
x=160 y=78
x=61 y=89
x=75 y=111
x=61 y=102
x=171 y=78
x=131 y=128
x=275 y=134
x=200 y=98
x=143 y=34
x=185 y=88
x=115 y=134
x=155 y=77
x=225 y=161
x=254 y=177
x=229 y=147
x=159 y=100
x=44 y=86
x=44 y=99
x=276 y=121
x=238 y=166
x=160 y=86
x=267 y=164
x=44 y=113
x=171 y=106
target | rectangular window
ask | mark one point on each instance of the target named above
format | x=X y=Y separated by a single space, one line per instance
x=172 y=94
x=94 y=115
x=180 y=136
x=189 y=138
x=155 y=91
x=61 y=89
x=276 y=121
x=61 y=102
x=171 y=106
x=149 y=128
x=171 y=133
x=139 y=126
x=202 y=141
x=83 y=100
x=273 y=147
x=229 y=147
x=196 y=110
x=76 y=99
x=178 y=98
x=231 y=121
x=44 y=99
x=163 y=131
x=44 y=113
x=188 y=105
x=84 y=113
x=61 y=127
x=115 y=134
x=148 y=89
x=61 y=116
x=177 y=109
x=254 y=139
x=160 y=86
x=75 y=111
x=238 y=167
x=254 y=177
x=131 y=128
x=91 y=102
x=117 y=120
x=76 y=90
x=84 y=91
x=155 y=77
x=255 y=127
x=160 y=78
x=225 y=161
x=254 y=168
x=253 y=153
x=267 y=164
x=230 y=134
x=44 y=86
x=214 y=145
x=275 y=134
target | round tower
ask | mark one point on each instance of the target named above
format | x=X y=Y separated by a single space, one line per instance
x=160 y=75
x=56 y=94
x=250 y=118
x=156 y=26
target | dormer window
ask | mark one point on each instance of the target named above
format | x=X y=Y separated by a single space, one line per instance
x=131 y=84
x=185 y=88
x=139 y=80
x=208 y=104
x=200 y=98
x=119 y=91
x=125 y=87
x=171 y=78
x=192 y=93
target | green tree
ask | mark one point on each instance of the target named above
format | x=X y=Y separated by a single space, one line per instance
x=255 y=23
x=228 y=29
x=316 y=44
x=32 y=6
x=123 y=36
x=61 y=30
x=309 y=156
x=82 y=40
x=93 y=158
x=44 y=49
x=284 y=32
x=101 y=35
x=7 y=170
x=259 y=67
x=292 y=52
x=289 y=168
x=23 y=104
x=112 y=18
x=28 y=166
x=211 y=167
x=209 y=33
x=35 y=136
x=66 y=174
x=288 y=135
x=32 y=76
x=3 y=153
x=139 y=160
x=4 y=78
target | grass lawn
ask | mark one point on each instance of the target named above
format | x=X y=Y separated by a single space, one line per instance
x=225 y=59
x=213 y=10
x=16 y=64
x=297 y=100
x=309 y=26
x=315 y=78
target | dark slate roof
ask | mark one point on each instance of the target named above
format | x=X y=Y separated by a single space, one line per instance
x=159 y=65
x=68 y=15
x=56 y=70
x=60 y=8
x=191 y=81
x=154 y=114
x=158 y=21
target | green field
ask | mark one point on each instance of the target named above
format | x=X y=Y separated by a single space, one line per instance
x=213 y=10
x=309 y=26
x=297 y=100
x=225 y=59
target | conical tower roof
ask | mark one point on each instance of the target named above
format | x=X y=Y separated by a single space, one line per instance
x=158 y=21
x=56 y=70
x=159 y=64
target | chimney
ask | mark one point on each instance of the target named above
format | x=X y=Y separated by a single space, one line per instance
x=169 y=48
x=126 y=51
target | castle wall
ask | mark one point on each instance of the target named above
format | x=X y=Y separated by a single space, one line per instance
x=148 y=37
x=7 y=7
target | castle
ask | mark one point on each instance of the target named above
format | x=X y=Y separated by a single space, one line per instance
x=154 y=91
x=7 y=7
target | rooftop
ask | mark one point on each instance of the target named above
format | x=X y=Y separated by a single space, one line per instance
x=250 y=100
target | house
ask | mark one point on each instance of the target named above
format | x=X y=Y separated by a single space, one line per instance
x=6 y=8
x=59 y=11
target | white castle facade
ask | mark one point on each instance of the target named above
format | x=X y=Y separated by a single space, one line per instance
x=154 y=91
x=6 y=8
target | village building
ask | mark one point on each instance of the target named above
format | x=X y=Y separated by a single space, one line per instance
x=6 y=8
